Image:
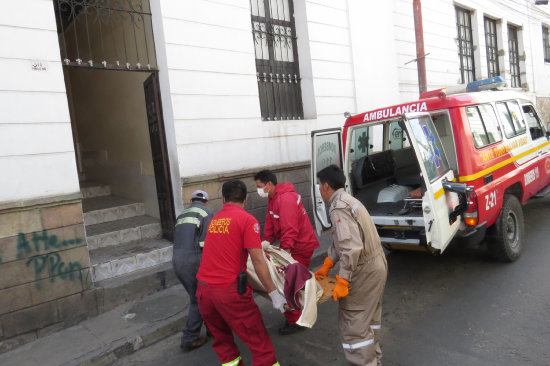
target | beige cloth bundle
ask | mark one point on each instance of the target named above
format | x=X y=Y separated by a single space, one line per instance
x=277 y=260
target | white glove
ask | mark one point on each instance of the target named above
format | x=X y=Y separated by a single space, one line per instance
x=265 y=244
x=278 y=300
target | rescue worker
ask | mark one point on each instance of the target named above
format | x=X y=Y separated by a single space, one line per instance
x=287 y=221
x=191 y=226
x=232 y=236
x=363 y=270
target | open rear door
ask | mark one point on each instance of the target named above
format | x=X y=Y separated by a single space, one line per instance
x=437 y=204
x=326 y=150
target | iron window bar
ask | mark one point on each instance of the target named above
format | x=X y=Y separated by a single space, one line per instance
x=546 y=43
x=278 y=74
x=465 y=45
x=514 y=56
x=493 y=68
x=87 y=28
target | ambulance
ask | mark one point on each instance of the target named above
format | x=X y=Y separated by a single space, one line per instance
x=453 y=164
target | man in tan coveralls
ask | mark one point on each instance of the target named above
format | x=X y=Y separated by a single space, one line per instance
x=363 y=270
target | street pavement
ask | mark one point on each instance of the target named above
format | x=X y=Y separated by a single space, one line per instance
x=460 y=308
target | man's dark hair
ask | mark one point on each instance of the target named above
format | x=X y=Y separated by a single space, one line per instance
x=234 y=191
x=203 y=200
x=332 y=175
x=266 y=176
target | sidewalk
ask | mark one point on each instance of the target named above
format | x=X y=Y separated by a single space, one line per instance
x=117 y=333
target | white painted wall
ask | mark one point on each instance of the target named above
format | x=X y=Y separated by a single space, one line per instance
x=36 y=148
x=214 y=92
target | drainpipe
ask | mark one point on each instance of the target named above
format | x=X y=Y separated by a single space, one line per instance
x=420 y=55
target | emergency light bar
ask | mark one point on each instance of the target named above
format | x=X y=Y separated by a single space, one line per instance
x=475 y=86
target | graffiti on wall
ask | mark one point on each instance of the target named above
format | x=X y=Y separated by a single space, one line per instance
x=48 y=264
x=42 y=242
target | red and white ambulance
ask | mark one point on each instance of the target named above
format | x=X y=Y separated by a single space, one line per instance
x=446 y=165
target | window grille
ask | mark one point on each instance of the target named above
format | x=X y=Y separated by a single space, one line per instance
x=546 y=43
x=514 y=56
x=278 y=74
x=465 y=45
x=492 y=47
x=106 y=34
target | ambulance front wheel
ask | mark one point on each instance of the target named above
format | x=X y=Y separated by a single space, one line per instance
x=507 y=243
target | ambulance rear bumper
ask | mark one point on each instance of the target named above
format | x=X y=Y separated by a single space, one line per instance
x=474 y=234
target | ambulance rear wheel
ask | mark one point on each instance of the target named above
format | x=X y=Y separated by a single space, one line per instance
x=507 y=243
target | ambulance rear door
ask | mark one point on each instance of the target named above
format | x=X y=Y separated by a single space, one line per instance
x=326 y=150
x=437 y=205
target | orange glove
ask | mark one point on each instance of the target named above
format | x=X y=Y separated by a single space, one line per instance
x=323 y=271
x=340 y=289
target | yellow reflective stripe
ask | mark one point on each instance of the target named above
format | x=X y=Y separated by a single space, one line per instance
x=235 y=362
x=198 y=210
x=276 y=364
x=439 y=193
x=189 y=220
x=491 y=169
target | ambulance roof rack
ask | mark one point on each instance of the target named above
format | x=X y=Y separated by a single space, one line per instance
x=493 y=83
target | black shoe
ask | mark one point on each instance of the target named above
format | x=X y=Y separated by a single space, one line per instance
x=186 y=347
x=290 y=329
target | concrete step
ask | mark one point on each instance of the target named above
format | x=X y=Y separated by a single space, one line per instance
x=135 y=285
x=93 y=189
x=118 y=260
x=102 y=209
x=122 y=231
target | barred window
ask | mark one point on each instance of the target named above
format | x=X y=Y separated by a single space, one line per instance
x=514 y=56
x=278 y=73
x=546 y=43
x=492 y=47
x=465 y=45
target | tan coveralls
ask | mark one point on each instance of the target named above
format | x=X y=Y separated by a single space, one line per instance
x=357 y=246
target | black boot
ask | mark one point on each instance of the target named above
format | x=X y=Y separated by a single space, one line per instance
x=289 y=329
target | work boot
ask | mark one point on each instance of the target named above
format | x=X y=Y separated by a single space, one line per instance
x=289 y=329
x=186 y=347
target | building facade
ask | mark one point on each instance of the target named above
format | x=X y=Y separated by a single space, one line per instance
x=115 y=111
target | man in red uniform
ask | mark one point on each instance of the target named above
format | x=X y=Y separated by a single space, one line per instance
x=287 y=221
x=232 y=235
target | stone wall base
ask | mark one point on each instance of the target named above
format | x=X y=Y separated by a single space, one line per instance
x=45 y=279
x=543 y=106
x=297 y=174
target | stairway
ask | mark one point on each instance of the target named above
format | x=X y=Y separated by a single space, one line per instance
x=122 y=239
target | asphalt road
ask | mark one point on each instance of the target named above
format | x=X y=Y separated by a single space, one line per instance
x=460 y=308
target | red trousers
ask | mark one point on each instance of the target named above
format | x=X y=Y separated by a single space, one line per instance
x=225 y=311
x=292 y=316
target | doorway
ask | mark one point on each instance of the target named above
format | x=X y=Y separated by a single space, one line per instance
x=111 y=77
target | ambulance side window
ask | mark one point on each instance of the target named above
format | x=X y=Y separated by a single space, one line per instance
x=511 y=118
x=533 y=121
x=396 y=138
x=483 y=125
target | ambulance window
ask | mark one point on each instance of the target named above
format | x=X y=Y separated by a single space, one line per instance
x=397 y=140
x=430 y=149
x=533 y=121
x=483 y=125
x=511 y=118
x=365 y=141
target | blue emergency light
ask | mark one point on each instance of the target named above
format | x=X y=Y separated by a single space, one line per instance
x=486 y=84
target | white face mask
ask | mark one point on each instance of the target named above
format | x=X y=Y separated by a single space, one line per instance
x=262 y=194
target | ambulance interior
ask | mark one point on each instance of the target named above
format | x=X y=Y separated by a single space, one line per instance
x=384 y=169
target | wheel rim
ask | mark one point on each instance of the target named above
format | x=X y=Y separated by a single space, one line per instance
x=512 y=233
